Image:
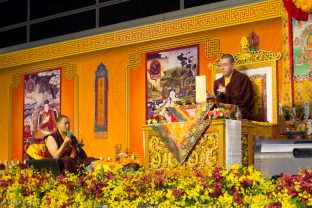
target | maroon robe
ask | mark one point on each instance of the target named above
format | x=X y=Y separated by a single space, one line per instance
x=70 y=163
x=239 y=91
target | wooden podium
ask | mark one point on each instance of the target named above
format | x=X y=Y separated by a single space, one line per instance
x=210 y=148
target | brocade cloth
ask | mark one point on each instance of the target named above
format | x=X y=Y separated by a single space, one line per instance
x=180 y=137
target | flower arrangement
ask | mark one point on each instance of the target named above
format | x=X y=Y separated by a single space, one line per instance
x=218 y=113
x=156 y=119
x=215 y=187
x=2 y=166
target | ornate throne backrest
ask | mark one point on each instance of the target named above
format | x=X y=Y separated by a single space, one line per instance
x=260 y=66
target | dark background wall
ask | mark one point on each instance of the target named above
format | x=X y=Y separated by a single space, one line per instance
x=28 y=23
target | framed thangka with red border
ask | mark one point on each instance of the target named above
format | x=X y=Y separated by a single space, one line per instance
x=42 y=105
x=170 y=77
x=302 y=61
x=302 y=48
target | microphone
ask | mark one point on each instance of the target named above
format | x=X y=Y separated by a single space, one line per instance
x=220 y=94
x=69 y=133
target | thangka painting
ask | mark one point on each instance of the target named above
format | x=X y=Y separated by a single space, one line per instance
x=170 y=77
x=302 y=48
x=42 y=105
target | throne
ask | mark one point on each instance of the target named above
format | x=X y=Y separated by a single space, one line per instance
x=260 y=66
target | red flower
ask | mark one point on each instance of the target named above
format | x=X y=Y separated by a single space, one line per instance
x=238 y=199
x=177 y=192
x=246 y=182
x=216 y=174
x=2 y=166
x=217 y=114
x=217 y=190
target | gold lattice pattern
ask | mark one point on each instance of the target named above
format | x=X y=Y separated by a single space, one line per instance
x=244 y=150
x=172 y=28
x=302 y=91
x=204 y=154
x=70 y=71
x=286 y=85
x=263 y=129
x=211 y=47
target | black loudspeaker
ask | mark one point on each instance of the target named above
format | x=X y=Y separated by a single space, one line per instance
x=56 y=166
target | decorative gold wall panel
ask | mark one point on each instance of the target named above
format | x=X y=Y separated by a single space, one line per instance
x=302 y=91
x=70 y=71
x=286 y=92
x=244 y=150
x=205 y=154
x=203 y=22
x=211 y=47
x=245 y=56
x=210 y=149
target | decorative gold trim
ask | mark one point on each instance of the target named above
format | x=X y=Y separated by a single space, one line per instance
x=210 y=150
x=76 y=101
x=9 y=156
x=246 y=56
x=211 y=47
x=244 y=147
x=127 y=105
x=205 y=154
x=70 y=73
x=172 y=28
x=286 y=92
x=70 y=70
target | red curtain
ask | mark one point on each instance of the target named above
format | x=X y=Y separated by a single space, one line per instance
x=295 y=12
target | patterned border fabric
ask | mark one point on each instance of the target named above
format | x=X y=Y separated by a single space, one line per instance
x=181 y=137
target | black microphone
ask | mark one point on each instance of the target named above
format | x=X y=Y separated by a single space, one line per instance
x=220 y=94
x=77 y=148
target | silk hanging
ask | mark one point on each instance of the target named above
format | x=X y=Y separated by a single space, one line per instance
x=101 y=96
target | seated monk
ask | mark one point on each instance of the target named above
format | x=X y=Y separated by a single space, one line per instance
x=61 y=144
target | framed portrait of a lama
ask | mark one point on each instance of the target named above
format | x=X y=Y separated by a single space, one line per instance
x=42 y=105
x=170 y=77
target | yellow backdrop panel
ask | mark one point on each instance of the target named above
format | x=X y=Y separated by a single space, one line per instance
x=116 y=61
x=269 y=31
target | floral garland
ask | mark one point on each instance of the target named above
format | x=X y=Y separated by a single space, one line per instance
x=215 y=187
x=218 y=113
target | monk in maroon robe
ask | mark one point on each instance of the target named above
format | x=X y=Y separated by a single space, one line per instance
x=61 y=144
x=235 y=88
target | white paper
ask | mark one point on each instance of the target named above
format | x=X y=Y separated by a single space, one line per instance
x=200 y=82
x=233 y=144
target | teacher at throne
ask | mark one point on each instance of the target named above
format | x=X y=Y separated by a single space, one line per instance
x=235 y=88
